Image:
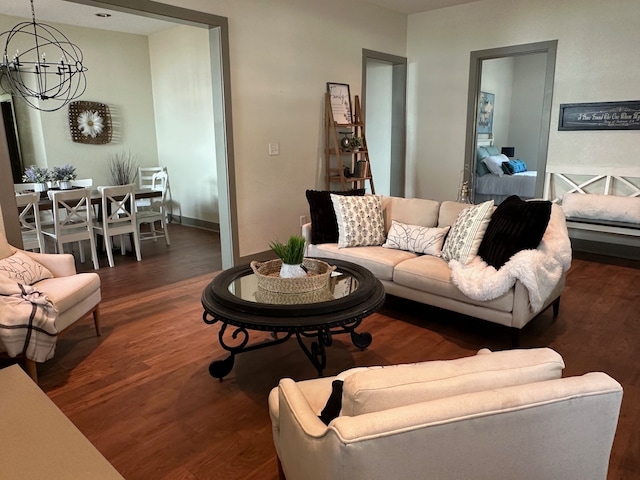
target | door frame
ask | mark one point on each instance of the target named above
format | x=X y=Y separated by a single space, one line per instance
x=475 y=78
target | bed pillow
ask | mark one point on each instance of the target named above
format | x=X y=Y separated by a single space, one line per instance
x=515 y=225
x=493 y=150
x=416 y=239
x=494 y=163
x=324 y=226
x=23 y=269
x=467 y=232
x=516 y=166
x=360 y=220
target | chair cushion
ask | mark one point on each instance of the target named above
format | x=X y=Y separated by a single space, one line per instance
x=23 y=269
x=65 y=292
x=379 y=389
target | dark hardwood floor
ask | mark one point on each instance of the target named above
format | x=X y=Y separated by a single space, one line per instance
x=143 y=396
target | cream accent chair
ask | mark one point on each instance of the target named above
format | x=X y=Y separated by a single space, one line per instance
x=496 y=415
x=73 y=294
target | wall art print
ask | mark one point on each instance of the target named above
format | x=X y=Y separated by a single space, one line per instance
x=600 y=116
x=486 y=102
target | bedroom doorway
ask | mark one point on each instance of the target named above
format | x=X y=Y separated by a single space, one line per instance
x=519 y=82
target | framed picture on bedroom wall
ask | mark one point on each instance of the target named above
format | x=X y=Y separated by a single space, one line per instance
x=486 y=102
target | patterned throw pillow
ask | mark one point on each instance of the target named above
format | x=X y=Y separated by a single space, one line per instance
x=21 y=268
x=415 y=238
x=466 y=234
x=360 y=220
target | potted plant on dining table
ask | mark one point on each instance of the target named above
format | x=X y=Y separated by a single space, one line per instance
x=36 y=175
x=64 y=175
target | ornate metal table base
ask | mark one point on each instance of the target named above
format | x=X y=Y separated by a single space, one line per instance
x=316 y=352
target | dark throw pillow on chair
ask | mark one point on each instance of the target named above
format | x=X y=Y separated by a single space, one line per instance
x=324 y=226
x=333 y=406
x=515 y=225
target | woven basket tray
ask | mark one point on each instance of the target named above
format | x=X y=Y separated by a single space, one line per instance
x=268 y=274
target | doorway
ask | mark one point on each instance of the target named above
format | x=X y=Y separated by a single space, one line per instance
x=534 y=139
x=384 y=80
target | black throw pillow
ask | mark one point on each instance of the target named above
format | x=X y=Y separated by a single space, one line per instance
x=332 y=409
x=324 y=225
x=515 y=225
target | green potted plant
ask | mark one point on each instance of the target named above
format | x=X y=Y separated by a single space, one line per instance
x=355 y=143
x=36 y=175
x=63 y=175
x=292 y=255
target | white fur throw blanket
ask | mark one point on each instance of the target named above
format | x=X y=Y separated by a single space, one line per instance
x=27 y=321
x=539 y=270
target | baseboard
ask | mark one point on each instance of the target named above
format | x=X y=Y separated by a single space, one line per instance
x=194 y=222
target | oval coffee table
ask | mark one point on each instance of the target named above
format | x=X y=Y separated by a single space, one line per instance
x=234 y=299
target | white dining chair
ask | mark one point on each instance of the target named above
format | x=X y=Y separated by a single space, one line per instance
x=145 y=178
x=156 y=212
x=29 y=218
x=118 y=218
x=72 y=220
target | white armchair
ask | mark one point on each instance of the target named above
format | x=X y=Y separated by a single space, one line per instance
x=73 y=294
x=504 y=415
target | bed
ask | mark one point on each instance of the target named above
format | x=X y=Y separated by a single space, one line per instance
x=498 y=177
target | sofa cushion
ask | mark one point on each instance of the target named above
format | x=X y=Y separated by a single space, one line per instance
x=449 y=212
x=378 y=260
x=324 y=226
x=412 y=211
x=21 y=268
x=360 y=220
x=415 y=238
x=465 y=235
x=374 y=390
x=515 y=225
x=432 y=274
x=65 y=292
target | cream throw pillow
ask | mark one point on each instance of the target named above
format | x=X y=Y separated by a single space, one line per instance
x=466 y=234
x=360 y=220
x=416 y=239
x=21 y=268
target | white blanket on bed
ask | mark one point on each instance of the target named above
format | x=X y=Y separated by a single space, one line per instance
x=539 y=270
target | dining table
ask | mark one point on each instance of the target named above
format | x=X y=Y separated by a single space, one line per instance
x=45 y=202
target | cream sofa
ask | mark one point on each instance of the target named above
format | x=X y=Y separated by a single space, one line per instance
x=496 y=415
x=426 y=278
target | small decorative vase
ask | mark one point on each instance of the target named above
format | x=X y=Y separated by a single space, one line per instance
x=292 y=271
x=65 y=185
x=39 y=187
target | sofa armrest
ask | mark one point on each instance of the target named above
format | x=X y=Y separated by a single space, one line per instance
x=306 y=232
x=60 y=264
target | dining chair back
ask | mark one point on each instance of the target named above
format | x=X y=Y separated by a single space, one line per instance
x=145 y=180
x=82 y=182
x=156 y=212
x=21 y=187
x=118 y=218
x=72 y=220
x=29 y=218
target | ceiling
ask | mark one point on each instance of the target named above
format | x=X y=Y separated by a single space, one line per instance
x=60 y=11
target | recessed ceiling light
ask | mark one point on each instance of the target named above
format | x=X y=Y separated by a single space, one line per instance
x=103 y=15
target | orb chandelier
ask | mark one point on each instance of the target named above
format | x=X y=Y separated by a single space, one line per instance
x=29 y=69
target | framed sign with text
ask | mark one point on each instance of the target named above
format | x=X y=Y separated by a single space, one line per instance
x=340 y=97
x=600 y=116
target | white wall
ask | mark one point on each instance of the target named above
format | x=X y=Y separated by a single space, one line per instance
x=118 y=75
x=526 y=107
x=282 y=53
x=181 y=78
x=379 y=102
x=497 y=78
x=597 y=61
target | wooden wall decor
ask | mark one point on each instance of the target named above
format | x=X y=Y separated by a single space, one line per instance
x=90 y=122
